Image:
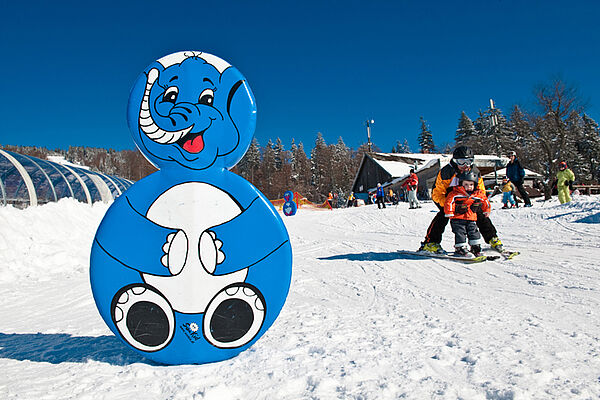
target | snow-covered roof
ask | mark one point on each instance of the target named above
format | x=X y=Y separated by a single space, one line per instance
x=398 y=165
x=502 y=173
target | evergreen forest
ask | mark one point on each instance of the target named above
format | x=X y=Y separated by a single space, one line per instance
x=556 y=128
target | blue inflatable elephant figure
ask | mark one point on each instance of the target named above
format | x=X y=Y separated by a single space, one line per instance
x=192 y=264
x=289 y=205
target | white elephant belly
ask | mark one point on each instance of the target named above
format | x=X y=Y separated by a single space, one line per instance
x=193 y=207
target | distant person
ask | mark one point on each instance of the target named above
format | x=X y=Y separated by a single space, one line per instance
x=351 y=200
x=380 y=197
x=462 y=205
x=516 y=174
x=330 y=200
x=507 y=193
x=462 y=161
x=411 y=184
x=564 y=183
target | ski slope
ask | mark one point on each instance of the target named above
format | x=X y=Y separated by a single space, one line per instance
x=361 y=321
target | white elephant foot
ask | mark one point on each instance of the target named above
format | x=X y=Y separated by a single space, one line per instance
x=234 y=316
x=143 y=317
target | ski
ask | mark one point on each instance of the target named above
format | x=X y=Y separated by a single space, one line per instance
x=450 y=256
x=507 y=254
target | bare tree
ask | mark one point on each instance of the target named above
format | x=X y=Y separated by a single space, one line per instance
x=554 y=140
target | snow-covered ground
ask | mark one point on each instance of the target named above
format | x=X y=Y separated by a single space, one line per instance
x=361 y=321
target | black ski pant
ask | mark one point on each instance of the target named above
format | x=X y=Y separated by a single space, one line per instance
x=380 y=202
x=523 y=192
x=438 y=225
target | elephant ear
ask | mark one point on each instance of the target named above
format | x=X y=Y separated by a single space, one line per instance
x=241 y=109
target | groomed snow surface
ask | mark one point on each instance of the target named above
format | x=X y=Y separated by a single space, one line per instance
x=361 y=321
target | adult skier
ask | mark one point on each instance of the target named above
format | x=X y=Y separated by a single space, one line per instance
x=411 y=184
x=516 y=174
x=565 y=178
x=462 y=205
x=462 y=161
x=380 y=196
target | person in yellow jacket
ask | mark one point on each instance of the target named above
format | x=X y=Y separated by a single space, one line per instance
x=462 y=161
x=565 y=178
x=507 y=193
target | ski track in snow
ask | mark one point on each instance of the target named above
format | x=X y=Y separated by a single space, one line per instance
x=361 y=321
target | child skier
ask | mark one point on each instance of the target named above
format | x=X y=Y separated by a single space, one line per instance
x=507 y=193
x=462 y=205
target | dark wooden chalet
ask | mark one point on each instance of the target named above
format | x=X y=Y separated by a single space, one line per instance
x=392 y=169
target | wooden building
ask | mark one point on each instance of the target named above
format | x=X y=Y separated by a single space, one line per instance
x=392 y=169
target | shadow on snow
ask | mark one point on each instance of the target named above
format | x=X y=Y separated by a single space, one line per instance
x=590 y=219
x=372 y=256
x=57 y=348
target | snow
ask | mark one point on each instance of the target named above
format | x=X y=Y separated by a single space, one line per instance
x=361 y=321
x=502 y=173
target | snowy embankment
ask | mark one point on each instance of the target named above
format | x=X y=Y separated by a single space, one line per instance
x=361 y=321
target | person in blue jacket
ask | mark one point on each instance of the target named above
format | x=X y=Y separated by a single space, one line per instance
x=516 y=174
x=380 y=196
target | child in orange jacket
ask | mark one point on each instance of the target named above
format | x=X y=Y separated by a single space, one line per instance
x=462 y=205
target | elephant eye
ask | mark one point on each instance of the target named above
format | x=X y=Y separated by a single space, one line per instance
x=207 y=97
x=171 y=94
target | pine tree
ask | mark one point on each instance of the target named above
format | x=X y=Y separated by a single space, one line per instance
x=300 y=169
x=267 y=168
x=426 y=138
x=493 y=133
x=465 y=131
x=250 y=163
x=279 y=154
x=320 y=158
x=342 y=171
x=401 y=147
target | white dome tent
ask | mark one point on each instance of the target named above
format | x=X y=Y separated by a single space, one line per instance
x=29 y=181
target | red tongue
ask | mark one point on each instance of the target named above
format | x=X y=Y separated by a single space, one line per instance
x=194 y=145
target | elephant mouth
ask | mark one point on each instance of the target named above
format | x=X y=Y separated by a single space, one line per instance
x=192 y=142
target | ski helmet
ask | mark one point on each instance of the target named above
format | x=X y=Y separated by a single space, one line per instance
x=468 y=176
x=463 y=152
x=562 y=165
x=512 y=153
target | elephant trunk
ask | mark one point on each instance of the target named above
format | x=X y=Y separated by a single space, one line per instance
x=146 y=122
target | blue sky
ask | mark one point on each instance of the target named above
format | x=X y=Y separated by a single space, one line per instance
x=314 y=66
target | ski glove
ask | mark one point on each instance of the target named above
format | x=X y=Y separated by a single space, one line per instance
x=476 y=206
x=460 y=208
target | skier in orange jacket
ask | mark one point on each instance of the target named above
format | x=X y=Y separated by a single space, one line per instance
x=462 y=161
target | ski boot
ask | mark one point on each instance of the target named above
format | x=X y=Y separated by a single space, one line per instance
x=462 y=251
x=505 y=206
x=435 y=248
x=476 y=250
x=496 y=244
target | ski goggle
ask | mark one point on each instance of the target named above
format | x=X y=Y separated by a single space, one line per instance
x=463 y=162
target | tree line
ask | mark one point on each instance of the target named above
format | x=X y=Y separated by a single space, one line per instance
x=274 y=170
x=271 y=168
x=556 y=129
